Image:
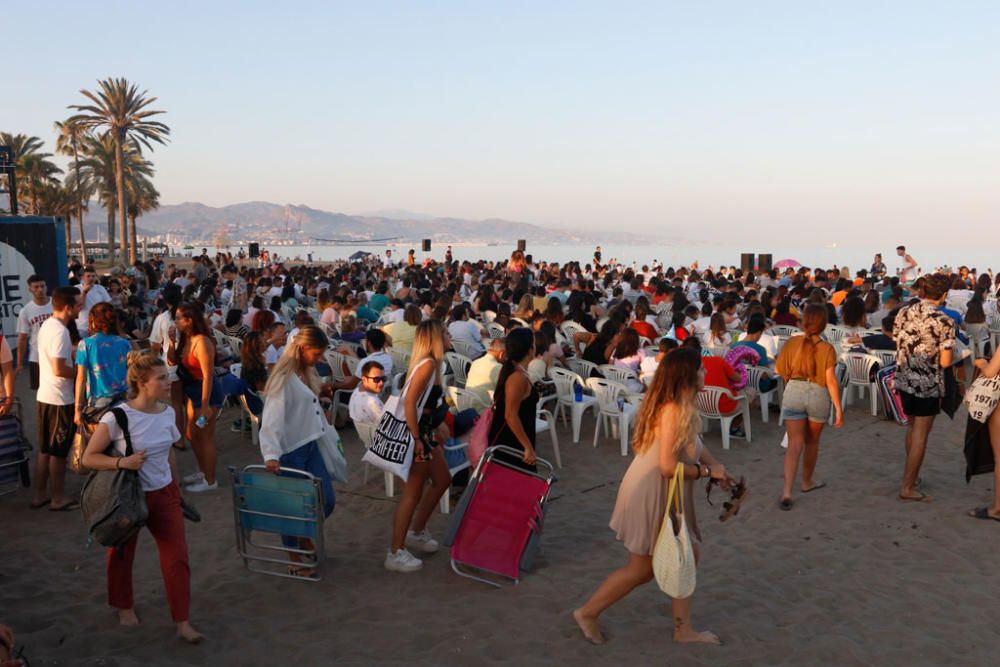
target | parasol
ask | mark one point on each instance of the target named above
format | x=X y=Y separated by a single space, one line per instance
x=787 y=264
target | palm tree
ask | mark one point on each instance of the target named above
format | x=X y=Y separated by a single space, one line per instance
x=142 y=197
x=121 y=109
x=31 y=166
x=54 y=198
x=98 y=174
x=71 y=136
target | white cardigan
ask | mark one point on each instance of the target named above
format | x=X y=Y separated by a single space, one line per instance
x=291 y=418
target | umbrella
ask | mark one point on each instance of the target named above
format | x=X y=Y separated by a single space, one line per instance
x=359 y=255
x=787 y=264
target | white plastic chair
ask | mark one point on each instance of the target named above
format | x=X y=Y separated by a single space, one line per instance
x=624 y=376
x=464 y=399
x=885 y=357
x=566 y=382
x=571 y=328
x=445 y=503
x=784 y=331
x=582 y=367
x=544 y=421
x=366 y=432
x=754 y=376
x=614 y=416
x=708 y=400
x=466 y=349
x=495 y=330
x=246 y=413
x=235 y=345
x=459 y=364
x=859 y=367
x=400 y=358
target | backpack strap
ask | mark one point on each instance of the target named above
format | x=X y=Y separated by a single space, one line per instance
x=122 y=420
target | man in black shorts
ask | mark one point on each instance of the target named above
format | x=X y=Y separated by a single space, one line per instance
x=925 y=339
x=55 y=401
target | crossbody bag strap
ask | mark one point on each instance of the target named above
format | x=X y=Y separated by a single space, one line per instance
x=122 y=420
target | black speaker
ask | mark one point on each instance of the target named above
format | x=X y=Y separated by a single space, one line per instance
x=746 y=262
x=522 y=245
x=427 y=245
x=764 y=262
x=254 y=250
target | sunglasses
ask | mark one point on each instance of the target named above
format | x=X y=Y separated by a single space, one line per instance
x=376 y=378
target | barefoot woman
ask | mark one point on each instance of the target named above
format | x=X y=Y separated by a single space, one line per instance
x=666 y=436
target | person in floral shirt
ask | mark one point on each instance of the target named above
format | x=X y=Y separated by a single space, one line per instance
x=925 y=338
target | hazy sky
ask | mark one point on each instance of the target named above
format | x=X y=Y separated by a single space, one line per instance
x=826 y=119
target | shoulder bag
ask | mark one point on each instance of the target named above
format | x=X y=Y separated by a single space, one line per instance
x=392 y=443
x=673 y=555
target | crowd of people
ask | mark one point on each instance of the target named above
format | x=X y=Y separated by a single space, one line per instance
x=171 y=341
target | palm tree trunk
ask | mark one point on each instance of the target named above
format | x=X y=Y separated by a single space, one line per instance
x=111 y=234
x=132 y=240
x=79 y=206
x=120 y=183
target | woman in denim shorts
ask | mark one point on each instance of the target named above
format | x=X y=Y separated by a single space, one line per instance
x=807 y=364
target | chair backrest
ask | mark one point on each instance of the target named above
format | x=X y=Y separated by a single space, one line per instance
x=859 y=366
x=755 y=374
x=834 y=333
x=465 y=399
x=495 y=330
x=518 y=321
x=607 y=393
x=645 y=342
x=565 y=380
x=400 y=358
x=366 y=432
x=487 y=316
x=571 y=328
x=466 y=349
x=784 y=330
x=336 y=362
x=708 y=400
x=885 y=357
x=235 y=344
x=582 y=367
x=459 y=364
x=278 y=504
x=352 y=363
x=617 y=373
x=398 y=381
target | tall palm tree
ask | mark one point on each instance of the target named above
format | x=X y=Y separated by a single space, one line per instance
x=68 y=142
x=121 y=109
x=98 y=174
x=142 y=197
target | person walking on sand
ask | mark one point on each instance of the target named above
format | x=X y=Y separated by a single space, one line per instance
x=907 y=271
x=153 y=431
x=666 y=436
x=807 y=363
x=925 y=342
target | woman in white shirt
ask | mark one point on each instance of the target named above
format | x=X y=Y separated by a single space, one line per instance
x=153 y=432
x=293 y=422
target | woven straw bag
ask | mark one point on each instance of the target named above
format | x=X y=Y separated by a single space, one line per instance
x=673 y=556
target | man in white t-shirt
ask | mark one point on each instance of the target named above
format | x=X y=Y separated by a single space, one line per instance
x=29 y=321
x=365 y=405
x=484 y=371
x=93 y=294
x=56 y=376
x=462 y=330
x=278 y=336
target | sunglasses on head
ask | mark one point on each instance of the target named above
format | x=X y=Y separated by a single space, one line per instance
x=376 y=378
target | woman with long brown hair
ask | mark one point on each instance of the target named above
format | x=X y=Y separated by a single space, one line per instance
x=195 y=358
x=807 y=363
x=666 y=436
x=423 y=394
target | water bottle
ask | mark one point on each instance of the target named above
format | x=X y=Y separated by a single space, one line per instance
x=201 y=421
x=578 y=393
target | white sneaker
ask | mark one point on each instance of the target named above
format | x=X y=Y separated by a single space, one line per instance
x=194 y=477
x=421 y=541
x=402 y=561
x=201 y=486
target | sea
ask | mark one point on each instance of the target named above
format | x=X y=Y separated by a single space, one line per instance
x=930 y=256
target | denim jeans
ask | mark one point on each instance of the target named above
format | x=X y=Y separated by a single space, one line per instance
x=308 y=458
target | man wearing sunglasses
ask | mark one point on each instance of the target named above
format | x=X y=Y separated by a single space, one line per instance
x=365 y=405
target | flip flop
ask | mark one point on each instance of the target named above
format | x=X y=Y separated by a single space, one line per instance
x=919 y=498
x=732 y=508
x=983 y=513
x=68 y=507
x=38 y=506
x=814 y=487
x=786 y=505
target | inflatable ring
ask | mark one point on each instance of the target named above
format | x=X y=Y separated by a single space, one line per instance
x=738 y=357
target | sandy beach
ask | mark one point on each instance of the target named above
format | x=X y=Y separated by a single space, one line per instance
x=850 y=577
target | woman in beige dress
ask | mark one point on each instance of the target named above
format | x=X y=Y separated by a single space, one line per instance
x=666 y=436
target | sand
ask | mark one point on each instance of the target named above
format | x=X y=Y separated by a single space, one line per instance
x=851 y=576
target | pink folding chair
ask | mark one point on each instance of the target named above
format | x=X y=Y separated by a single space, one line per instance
x=498 y=522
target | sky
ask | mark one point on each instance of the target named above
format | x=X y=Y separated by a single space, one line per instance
x=828 y=121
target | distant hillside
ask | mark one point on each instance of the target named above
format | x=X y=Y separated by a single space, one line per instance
x=266 y=222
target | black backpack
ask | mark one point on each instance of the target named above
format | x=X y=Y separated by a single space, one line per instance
x=113 y=502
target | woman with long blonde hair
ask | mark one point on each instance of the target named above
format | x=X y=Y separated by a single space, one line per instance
x=292 y=422
x=422 y=395
x=666 y=436
x=807 y=363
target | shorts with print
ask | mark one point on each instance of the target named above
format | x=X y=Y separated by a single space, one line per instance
x=55 y=429
x=806 y=400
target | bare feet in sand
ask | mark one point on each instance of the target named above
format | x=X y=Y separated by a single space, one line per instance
x=588 y=626
x=127 y=617
x=188 y=633
x=690 y=636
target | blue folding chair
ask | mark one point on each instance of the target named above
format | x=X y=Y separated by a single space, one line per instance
x=289 y=505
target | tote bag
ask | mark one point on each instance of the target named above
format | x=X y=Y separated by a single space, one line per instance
x=392 y=443
x=673 y=556
x=332 y=450
x=982 y=397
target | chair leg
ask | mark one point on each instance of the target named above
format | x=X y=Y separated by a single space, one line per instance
x=597 y=427
x=844 y=395
x=725 y=423
x=623 y=433
x=765 y=404
x=555 y=445
x=746 y=421
x=874 y=400
x=577 y=415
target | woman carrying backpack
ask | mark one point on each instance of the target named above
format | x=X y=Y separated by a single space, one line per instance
x=152 y=428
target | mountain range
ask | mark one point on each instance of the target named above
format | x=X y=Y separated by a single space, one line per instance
x=268 y=222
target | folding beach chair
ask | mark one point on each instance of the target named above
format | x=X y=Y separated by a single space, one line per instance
x=14 y=447
x=884 y=379
x=281 y=505
x=497 y=524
